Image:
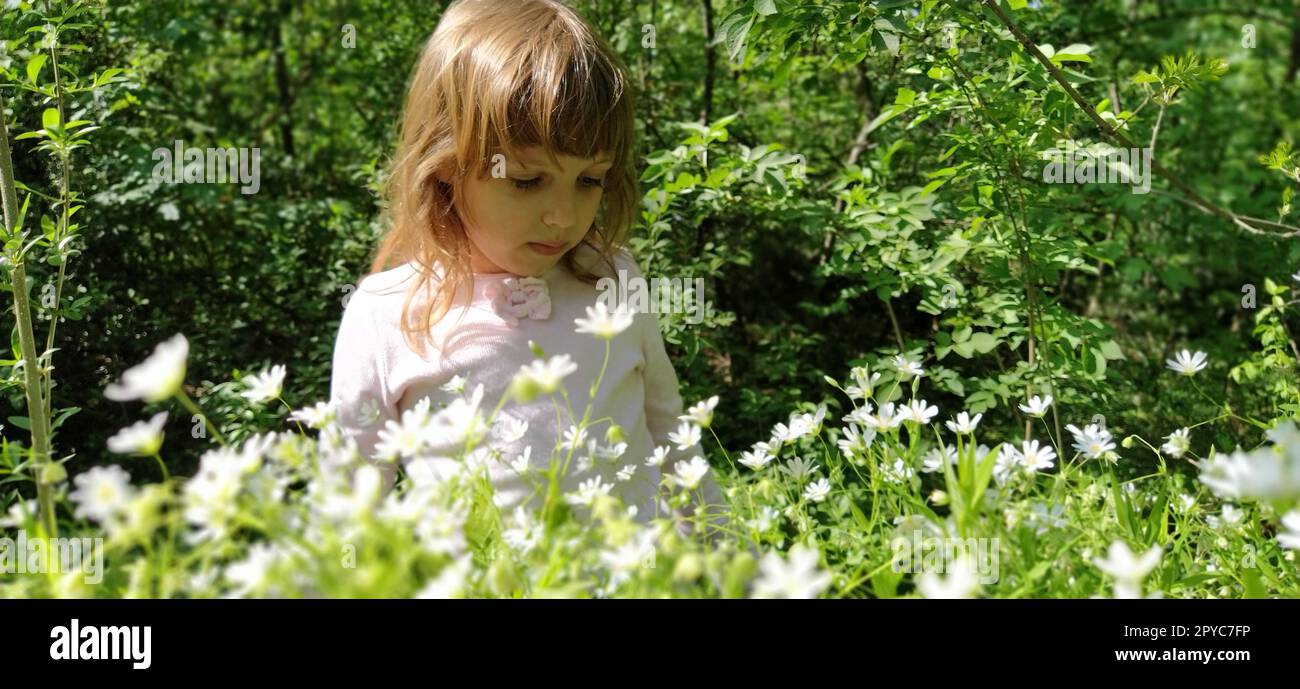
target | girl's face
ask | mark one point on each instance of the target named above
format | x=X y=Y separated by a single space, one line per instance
x=524 y=222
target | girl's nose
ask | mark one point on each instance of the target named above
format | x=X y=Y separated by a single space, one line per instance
x=561 y=213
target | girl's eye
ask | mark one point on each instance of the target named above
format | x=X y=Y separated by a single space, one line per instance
x=592 y=182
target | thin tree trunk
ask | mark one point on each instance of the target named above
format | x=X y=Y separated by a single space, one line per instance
x=282 y=82
x=860 y=142
x=706 y=114
x=1294 y=65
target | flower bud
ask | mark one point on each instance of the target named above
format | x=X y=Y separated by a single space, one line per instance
x=502 y=579
x=523 y=388
x=53 y=473
x=741 y=570
x=688 y=569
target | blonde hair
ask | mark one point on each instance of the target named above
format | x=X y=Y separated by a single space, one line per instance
x=498 y=76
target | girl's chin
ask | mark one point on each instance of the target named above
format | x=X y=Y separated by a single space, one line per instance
x=521 y=272
x=528 y=263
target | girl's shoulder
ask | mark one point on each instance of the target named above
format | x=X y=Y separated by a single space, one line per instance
x=378 y=298
x=386 y=282
x=622 y=259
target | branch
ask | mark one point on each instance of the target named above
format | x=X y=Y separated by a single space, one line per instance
x=1252 y=225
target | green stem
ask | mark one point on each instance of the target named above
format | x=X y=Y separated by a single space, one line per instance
x=554 y=496
x=194 y=409
x=36 y=415
x=166 y=476
x=65 y=201
x=301 y=430
x=724 y=451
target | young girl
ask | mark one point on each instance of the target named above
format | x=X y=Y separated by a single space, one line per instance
x=511 y=193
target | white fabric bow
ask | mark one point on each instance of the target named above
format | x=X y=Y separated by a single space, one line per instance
x=515 y=298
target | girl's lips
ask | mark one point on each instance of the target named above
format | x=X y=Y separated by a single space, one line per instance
x=546 y=249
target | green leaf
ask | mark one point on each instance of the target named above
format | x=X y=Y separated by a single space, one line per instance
x=34 y=66
x=63 y=416
x=1098 y=363
x=733 y=31
x=1177 y=277
x=884 y=117
x=50 y=119
x=1134 y=268
x=885 y=583
x=1250 y=580
x=1076 y=52
x=983 y=342
x=956 y=494
x=984 y=472
x=932 y=186
x=885 y=33
x=980 y=401
x=1121 y=506
x=1158 y=522
x=107 y=75
x=765 y=7
x=859 y=517
x=1070 y=57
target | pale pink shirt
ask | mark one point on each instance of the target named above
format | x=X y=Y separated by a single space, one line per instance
x=375 y=373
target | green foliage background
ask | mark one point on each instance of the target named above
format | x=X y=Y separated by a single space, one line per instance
x=855 y=179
